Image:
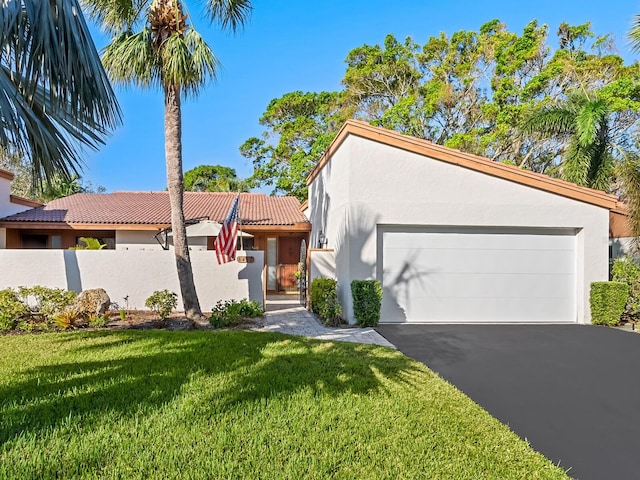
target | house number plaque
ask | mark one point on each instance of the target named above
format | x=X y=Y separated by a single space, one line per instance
x=245 y=259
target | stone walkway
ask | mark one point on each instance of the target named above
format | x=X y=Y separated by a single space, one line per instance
x=285 y=315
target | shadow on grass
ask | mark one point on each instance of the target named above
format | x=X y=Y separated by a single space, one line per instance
x=125 y=373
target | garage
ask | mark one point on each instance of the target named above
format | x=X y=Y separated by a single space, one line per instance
x=453 y=237
x=476 y=274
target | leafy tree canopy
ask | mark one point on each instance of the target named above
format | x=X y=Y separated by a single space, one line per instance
x=214 y=178
x=25 y=185
x=471 y=90
x=299 y=128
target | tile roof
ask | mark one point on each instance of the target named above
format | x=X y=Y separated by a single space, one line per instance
x=138 y=208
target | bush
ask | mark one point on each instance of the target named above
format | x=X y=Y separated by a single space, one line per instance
x=162 y=302
x=229 y=313
x=46 y=301
x=324 y=300
x=12 y=309
x=627 y=270
x=608 y=300
x=367 y=301
x=99 y=321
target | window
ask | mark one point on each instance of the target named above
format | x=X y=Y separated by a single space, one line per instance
x=34 y=241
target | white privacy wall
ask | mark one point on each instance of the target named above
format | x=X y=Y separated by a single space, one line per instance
x=367 y=184
x=144 y=240
x=133 y=274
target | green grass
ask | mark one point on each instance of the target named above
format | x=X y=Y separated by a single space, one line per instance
x=195 y=405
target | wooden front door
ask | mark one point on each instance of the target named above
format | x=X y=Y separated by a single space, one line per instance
x=288 y=258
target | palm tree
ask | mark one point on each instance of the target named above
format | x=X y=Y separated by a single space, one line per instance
x=54 y=94
x=166 y=52
x=583 y=122
x=629 y=171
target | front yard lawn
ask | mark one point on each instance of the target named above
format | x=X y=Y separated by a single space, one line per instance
x=234 y=404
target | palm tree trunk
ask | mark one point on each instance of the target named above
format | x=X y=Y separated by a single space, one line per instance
x=173 y=156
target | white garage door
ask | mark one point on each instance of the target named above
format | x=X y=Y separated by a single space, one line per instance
x=478 y=275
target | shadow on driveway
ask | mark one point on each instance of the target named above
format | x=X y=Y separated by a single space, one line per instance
x=573 y=391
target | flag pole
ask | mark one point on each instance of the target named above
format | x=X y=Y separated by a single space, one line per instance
x=240 y=222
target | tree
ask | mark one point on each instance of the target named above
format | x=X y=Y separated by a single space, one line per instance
x=584 y=120
x=166 y=52
x=56 y=96
x=304 y=125
x=214 y=178
x=57 y=186
x=470 y=90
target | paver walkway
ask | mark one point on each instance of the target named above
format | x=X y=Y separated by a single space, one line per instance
x=285 y=315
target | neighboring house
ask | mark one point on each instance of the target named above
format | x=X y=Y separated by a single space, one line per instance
x=454 y=237
x=138 y=221
x=10 y=204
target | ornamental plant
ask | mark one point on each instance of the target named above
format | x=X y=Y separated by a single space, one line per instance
x=227 y=313
x=163 y=302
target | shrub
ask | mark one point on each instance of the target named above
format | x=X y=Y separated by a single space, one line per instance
x=367 y=301
x=98 y=321
x=12 y=309
x=608 y=300
x=162 y=302
x=324 y=300
x=46 y=301
x=627 y=270
x=229 y=313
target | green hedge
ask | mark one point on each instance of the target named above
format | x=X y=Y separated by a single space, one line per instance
x=367 y=301
x=324 y=300
x=627 y=270
x=608 y=300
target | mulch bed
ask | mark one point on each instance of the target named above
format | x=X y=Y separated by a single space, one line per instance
x=146 y=320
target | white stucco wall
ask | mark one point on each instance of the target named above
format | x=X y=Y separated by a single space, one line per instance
x=143 y=240
x=367 y=184
x=322 y=264
x=6 y=207
x=134 y=274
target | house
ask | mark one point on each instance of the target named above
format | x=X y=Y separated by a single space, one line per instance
x=454 y=237
x=139 y=221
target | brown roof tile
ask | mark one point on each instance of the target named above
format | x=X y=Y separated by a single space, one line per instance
x=138 y=208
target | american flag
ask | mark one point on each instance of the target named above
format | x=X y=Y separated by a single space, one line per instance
x=226 y=239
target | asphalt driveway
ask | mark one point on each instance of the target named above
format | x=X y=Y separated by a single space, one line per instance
x=572 y=391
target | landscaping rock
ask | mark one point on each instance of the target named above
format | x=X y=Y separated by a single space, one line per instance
x=92 y=302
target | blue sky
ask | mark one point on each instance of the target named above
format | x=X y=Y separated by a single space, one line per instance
x=302 y=45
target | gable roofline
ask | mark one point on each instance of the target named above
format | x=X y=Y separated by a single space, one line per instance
x=25 y=202
x=465 y=160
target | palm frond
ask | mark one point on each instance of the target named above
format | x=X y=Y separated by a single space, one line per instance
x=230 y=14
x=131 y=60
x=54 y=94
x=634 y=34
x=115 y=16
x=187 y=61
x=628 y=171
x=575 y=164
x=590 y=120
x=554 y=120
